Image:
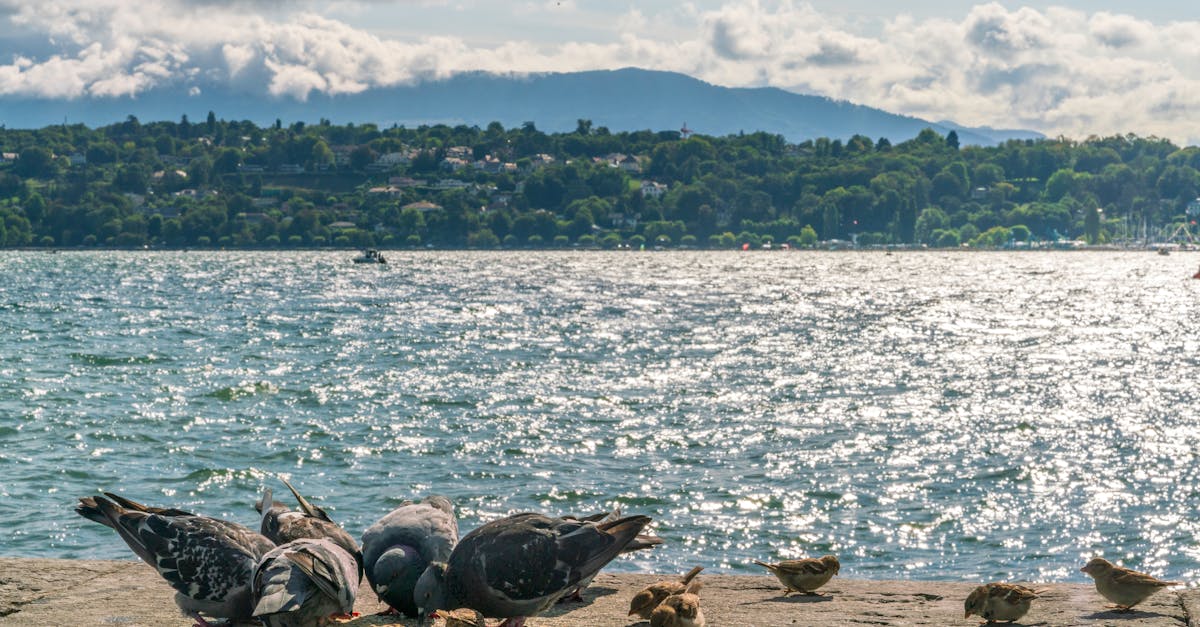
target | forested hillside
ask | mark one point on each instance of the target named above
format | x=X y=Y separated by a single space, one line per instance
x=234 y=184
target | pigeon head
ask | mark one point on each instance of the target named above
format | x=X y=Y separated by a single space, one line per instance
x=430 y=593
x=397 y=570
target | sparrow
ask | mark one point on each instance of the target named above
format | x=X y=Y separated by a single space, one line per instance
x=1126 y=588
x=999 y=601
x=804 y=575
x=680 y=610
x=462 y=617
x=644 y=602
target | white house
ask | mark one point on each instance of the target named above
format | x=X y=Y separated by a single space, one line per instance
x=652 y=189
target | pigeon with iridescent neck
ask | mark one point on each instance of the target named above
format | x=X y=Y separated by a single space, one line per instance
x=398 y=548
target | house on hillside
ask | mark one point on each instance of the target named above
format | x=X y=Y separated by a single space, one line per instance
x=403 y=181
x=444 y=184
x=391 y=191
x=653 y=189
x=341 y=154
x=424 y=206
x=631 y=164
x=454 y=164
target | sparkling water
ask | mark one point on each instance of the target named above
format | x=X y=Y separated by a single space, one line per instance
x=934 y=415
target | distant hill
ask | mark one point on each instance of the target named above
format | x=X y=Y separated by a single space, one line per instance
x=622 y=100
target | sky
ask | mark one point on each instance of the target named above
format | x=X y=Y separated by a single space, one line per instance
x=1069 y=67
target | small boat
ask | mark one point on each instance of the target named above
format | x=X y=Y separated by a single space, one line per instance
x=370 y=255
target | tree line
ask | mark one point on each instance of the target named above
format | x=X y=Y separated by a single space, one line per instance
x=237 y=184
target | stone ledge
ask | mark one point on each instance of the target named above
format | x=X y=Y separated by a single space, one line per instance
x=40 y=592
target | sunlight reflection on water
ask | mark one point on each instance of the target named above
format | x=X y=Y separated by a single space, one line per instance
x=925 y=415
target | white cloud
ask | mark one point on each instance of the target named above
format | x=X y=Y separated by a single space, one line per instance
x=1054 y=69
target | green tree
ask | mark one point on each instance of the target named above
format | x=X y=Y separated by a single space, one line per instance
x=831 y=220
x=808 y=237
x=35 y=162
x=931 y=219
x=1091 y=225
x=952 y=139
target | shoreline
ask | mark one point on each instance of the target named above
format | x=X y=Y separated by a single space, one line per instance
x=39 y=592
x=1155 y=248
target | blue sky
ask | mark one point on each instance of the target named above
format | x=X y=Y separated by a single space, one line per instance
x=1070 y=67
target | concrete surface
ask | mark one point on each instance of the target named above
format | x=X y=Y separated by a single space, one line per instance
x=46 y=592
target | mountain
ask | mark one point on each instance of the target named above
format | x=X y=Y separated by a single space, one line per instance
x=622 y=100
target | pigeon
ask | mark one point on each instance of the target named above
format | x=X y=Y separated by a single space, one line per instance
x=399 y=546
x=304 y=583
x=519 y=566
x=999 y=601
x=641 y=541
x=679 y=610
x=1126 y=588
x=804 y=575
x=462 y=617
x=644 y=602
x=209 y=562
x=282 y=525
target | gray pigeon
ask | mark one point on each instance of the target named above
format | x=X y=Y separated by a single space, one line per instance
x=519 y=566
x=398 y=548
x=282 y=525
x=210 y=562
x=305 y=583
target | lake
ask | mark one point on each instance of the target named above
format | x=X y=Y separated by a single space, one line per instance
x=924 y=415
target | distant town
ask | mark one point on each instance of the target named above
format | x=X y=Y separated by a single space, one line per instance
x=228 y=184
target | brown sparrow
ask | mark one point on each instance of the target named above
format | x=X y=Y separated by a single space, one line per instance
x=679 y=610
x=999 y=601
x=651 y=596
x=805 y=575
x=1126 y=588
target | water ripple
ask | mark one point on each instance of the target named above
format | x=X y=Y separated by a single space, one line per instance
x=925 y=415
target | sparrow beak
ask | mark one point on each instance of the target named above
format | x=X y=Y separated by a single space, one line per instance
x=966 y=615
